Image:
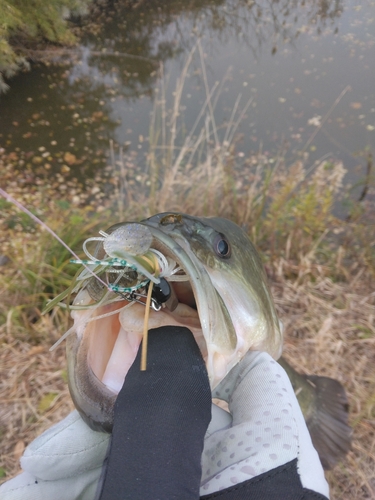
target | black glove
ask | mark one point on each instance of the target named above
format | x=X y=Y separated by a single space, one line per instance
x=161 y=417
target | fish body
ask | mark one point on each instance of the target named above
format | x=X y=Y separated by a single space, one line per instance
x=215 y=285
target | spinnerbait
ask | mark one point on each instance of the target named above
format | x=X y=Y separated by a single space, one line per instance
x=128 y=265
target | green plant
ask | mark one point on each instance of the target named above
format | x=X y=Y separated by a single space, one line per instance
x=22 y=22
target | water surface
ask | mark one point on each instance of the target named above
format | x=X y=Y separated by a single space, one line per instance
x=307 y=66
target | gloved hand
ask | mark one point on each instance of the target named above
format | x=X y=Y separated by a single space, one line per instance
x=261 y=449
x=63 y=463
x=160 y=419
x=266 y=453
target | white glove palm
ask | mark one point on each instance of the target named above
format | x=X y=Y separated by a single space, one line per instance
x=64 y=463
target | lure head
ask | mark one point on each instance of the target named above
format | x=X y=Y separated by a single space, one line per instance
x=218 y=290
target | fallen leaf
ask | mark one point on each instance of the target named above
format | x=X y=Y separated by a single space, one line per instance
x=97 y=115
x=47 y=401
x=36 y=350
x=18 y=449
x=355 y=105
x=13 y=156
x=70 y=158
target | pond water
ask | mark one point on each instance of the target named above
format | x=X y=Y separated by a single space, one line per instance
x=306 y=67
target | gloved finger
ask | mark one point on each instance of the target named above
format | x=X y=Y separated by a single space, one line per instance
x=228 y=385
x=161 y=416
x=26 y=487
x=65 y=454
x=65 y=449
x=268 y=429
x=220 y=420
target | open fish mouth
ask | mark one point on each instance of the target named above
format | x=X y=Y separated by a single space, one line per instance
x=199 y=272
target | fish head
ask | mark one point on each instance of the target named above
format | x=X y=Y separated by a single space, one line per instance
x=219 y=292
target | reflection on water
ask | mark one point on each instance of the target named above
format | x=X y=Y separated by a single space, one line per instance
x=293 y=57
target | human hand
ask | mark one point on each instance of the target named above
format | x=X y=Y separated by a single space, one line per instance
x=267 y=434
x=161 y=417
x=267 y=449
x=64 y=462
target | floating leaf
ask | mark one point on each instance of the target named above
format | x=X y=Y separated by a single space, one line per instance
x=315 y=121
x=70 y=158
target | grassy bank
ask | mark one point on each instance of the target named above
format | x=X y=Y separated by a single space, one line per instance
x=321 y=269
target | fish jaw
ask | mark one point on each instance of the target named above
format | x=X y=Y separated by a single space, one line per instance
x=217 y=304
x=93 y=399
x=217 y=327
x=252 y=328
x=100 y=353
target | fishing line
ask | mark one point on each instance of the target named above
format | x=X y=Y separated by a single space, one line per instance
x=41 y=223
x=116 y=311
x=63 y=337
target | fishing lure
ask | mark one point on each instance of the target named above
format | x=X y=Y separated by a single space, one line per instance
x=129 y=264
x=123 y=266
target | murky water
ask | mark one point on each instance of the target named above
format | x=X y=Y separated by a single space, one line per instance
x=308 y=67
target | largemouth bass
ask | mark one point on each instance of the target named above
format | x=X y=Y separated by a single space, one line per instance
x=207 y=276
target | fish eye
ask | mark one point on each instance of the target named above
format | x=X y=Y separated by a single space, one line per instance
x=222 y=246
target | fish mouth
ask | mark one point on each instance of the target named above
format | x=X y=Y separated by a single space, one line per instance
x=218 y=290
x=114 y=332
x=107 y=336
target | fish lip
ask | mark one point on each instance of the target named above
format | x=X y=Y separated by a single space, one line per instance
x=93 y=399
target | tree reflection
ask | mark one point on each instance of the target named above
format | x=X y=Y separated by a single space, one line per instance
x=120 y=57
x=138 y=40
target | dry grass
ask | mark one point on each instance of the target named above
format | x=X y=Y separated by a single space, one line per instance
x=330 y=330
x=34 y=393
